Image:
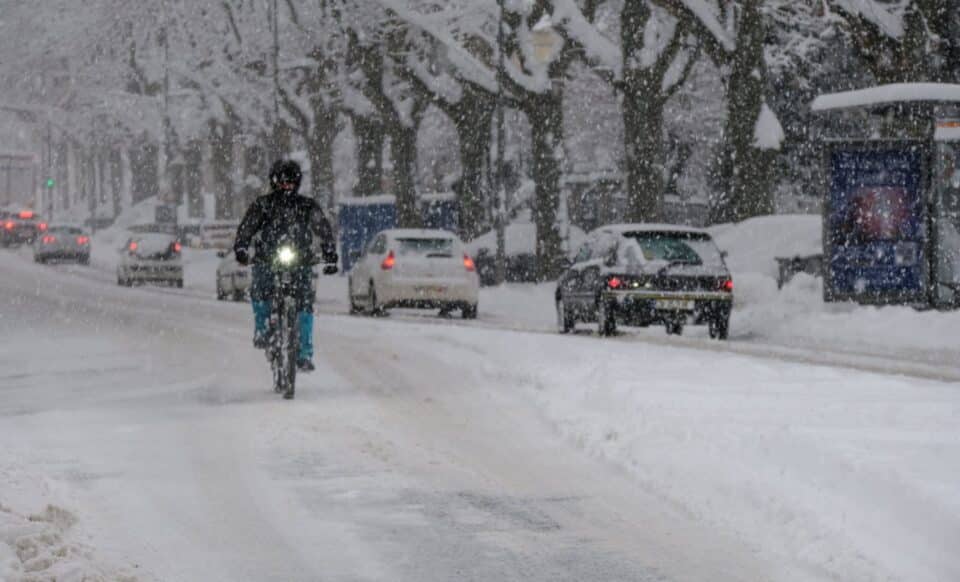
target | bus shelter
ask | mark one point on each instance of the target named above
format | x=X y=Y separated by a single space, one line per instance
x=891 y=202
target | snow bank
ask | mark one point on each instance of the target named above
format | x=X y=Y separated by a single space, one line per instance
x=754 y=244
x=40 y=547
x=768 y=133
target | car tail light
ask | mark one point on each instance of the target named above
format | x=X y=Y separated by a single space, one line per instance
x=468 y=263
x=26 y=215
x=133 y=246
x=42 y=226
x=8 y=225
x=727 y=285
x=177 y=247
x=82 y=240
x=389 y=262
x=49 y=239
x=614 y=282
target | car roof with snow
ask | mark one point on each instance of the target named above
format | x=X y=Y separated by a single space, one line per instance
x=418 y=233
x=648 y=227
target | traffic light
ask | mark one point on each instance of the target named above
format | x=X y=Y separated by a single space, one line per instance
x=51 y=182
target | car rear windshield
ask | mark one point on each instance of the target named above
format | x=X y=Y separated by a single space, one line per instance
x=691 y=248
x=429 y=247
x=65 y=230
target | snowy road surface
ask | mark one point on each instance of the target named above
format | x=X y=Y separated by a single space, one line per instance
x=141 y=440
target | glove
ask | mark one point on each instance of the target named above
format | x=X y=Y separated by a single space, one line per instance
x=330 y=270
x=242 y=256
x=331 y=258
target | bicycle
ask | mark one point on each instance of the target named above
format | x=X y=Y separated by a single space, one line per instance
x=284 y=332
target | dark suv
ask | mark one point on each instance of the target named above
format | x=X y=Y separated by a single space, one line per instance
x=19 y=227
x=643 y=274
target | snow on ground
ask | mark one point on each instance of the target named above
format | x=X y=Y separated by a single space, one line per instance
x=421 y=443
x=792 y=317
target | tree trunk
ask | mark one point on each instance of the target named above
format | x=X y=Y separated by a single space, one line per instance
x=116 y=180
x=320 y=151
x=745 y=169
x=193 y=178
x=642 y=119
x=473 y=121
x=221 y=140
x=545 y=112
x=370 y=136
x=144 y=164
x=403 y=151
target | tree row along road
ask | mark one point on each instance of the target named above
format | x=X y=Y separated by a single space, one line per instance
x=151 y=417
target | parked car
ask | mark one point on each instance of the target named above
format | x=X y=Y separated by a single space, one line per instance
x=233 y=279
x=423 y=269
x=214 y=235
x=150 y=257
x=520 y=239
x=62 y=242
x=20 y=227
x=643 y=274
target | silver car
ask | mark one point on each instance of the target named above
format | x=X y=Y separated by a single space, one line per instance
x=150 y=257
x=62 y=242
x=233 y=279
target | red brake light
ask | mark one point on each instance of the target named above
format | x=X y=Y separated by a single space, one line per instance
x=614 y=282
x=133 y=246
x=82 y=240
x=49 y=239
x=389 y=262
x=26 y=214
x=468 y=263
x=177 y=247
x=9 y=225
x=42 y=226
x=727 y=285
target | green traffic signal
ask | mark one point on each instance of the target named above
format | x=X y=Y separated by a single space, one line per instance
x=51 y=182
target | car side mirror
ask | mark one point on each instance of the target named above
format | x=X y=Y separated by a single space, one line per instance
x=222 y=254
x=611 y=259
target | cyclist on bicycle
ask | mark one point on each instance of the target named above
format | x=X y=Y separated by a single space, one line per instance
x=285 y=214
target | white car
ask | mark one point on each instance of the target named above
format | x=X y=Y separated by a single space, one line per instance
x=150 y=257
x=233 y=279
x=423 y=269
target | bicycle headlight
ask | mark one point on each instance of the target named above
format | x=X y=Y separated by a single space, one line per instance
x=286 y=255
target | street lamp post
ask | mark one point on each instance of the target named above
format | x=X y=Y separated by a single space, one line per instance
x=500 y=218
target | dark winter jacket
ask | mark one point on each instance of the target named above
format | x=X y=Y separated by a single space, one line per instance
x=297 y=217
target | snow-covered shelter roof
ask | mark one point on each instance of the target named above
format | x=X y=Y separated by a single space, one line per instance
x=892 y=93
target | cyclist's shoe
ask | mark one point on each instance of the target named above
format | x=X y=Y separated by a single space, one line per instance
x=305 y=365
x=261 y=340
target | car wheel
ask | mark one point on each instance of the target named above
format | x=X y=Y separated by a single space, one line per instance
x=674 y=328
x=354 y=308
x=84 y=260
x=469 y=311
x=239 y=295
x=374 y=307
x=606 y=322
x=179 y=283
x=720 y=328
x=565 y=321
x=221 y=294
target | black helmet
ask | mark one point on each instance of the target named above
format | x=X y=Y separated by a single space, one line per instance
x=285 y=172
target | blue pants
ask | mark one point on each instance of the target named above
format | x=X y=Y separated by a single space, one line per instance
x=261 y=295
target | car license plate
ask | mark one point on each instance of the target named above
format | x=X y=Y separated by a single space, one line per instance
x=430 y=289
x=674 y=304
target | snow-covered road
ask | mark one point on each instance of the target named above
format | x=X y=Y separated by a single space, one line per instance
x=438 y=452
